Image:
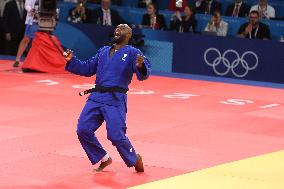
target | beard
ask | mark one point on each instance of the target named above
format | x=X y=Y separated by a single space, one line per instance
x=119 y=39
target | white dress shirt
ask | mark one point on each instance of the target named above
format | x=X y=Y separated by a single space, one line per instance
x=29 y=6
x=106 y=17
x=268 y=11
x=222 y=30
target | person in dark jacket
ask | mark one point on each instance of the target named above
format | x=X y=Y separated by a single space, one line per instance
x=207 y=6
x=107 y=16
x=80 y=13
x=238 y=9
x=153 y=19
x=14 y=25
x=186 y=23
x=254 y=29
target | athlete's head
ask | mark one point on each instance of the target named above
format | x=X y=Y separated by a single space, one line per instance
x=122 y=34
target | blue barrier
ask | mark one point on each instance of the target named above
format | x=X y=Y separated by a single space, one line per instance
x=228 y=57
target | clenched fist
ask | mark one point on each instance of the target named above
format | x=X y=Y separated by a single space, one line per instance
x=68 y=54
x=139 y=61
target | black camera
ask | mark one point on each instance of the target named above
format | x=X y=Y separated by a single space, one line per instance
x=47 y=15
x=48 y=6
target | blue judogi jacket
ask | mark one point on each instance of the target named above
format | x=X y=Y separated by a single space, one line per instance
x=111 y=71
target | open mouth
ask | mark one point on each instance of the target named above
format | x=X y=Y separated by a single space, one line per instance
x=117 y=34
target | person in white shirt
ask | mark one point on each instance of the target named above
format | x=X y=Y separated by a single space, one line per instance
x=265 y=11
x=216 y=24
x=31 y=6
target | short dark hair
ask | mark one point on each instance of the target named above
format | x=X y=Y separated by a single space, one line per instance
x=192 y=9
x=216 y=13
x=254 y=12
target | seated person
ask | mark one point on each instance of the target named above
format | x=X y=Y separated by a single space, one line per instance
x=153 y=19
x=265 y=11
x=207 y=6
x=80 y=13
x=254 y=29
x=145 y=3
x=186 y=23
x=106 y=16
x=238 y=9
x=216 y=24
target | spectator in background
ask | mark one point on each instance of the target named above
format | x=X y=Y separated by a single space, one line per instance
x=216 y=24
x=254 y=29
x=238 y=9
x=2 y=33
x=114 y=2
x=14 y=24
x=31 y=6
x=106 y=16
x=80 y=13
x=207 y=6
x=186 y=23
x=177 y=5
x=265 y=11
x=145 y=3
x=153 y=19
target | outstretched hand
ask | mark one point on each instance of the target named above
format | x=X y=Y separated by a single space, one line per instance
x=139 y=61
x=68 y=54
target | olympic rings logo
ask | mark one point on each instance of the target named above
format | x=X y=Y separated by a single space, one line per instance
x=239 y=66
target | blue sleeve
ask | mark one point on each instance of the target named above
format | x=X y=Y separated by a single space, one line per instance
x=144 y=74
x=86 y=68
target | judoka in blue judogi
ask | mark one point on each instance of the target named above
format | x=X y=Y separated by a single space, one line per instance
x=114 y=67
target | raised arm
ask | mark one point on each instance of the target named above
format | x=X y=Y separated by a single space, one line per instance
x=141 y=66
x=86 y=68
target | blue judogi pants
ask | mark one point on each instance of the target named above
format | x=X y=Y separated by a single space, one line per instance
x=91 y=118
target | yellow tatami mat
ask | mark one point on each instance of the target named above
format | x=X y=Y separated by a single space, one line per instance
x=261 y=172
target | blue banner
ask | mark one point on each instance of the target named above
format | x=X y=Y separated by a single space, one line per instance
x=229 y=57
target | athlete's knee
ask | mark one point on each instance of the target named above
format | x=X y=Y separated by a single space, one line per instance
x=26 y=40
x=116 y=138
x=82 y=129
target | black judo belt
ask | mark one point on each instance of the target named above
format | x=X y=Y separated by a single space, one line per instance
x=103 y=90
